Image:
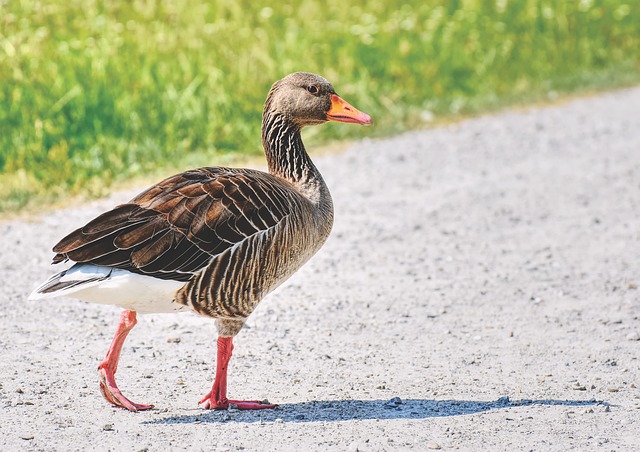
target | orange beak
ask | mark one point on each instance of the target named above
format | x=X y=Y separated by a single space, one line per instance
x=341 y=111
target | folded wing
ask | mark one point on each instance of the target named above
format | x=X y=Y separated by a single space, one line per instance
x=175 y=228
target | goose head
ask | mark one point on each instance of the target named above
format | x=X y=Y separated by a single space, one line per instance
x=308 y=99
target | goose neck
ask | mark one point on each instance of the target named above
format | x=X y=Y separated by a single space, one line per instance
x=285 y=152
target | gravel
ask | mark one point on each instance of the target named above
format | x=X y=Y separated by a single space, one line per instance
x=484 y=274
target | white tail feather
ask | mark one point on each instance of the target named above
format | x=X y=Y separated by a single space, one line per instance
x=105 y=285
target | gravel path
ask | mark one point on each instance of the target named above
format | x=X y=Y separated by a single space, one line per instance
x=480 y=290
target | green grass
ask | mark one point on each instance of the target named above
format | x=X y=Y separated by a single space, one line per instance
x=94 y=93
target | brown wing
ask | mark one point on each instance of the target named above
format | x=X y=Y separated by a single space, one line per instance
x=176 y=227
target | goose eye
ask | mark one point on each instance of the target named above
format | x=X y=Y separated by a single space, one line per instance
x=313 y=89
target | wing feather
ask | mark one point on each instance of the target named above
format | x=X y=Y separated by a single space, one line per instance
x=152 y=250
x=177 y=227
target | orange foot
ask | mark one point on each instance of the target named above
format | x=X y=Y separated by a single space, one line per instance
x=209 y=402
x=113 y=395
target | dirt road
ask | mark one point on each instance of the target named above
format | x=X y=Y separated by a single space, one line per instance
x=480 y=290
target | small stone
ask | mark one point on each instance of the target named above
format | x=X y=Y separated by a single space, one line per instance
x=394 y=403
x=433 y=445
x=580 y=388
x=588 y=410
x=633 y=336
x=107 y=427
x=279 y=421
x=503 y=401
x=27 y=437
x=173 y=340
x=613 y=390
x=19 y=391
x=607 y=409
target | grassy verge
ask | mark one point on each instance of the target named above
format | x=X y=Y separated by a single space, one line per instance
x=94 y=93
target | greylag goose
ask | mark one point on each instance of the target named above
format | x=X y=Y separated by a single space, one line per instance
x=212 y=240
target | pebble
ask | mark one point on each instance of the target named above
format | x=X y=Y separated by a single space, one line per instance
x=279 y=421
x=613 y=390
x=433 y=445
x=27 y=437
x=633 y=336
x=394 y=403
x=107 y=427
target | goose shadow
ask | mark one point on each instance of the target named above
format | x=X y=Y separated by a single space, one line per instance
x=348 y=410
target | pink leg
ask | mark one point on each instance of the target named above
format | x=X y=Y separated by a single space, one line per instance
x=109 y=366
x=217 y=398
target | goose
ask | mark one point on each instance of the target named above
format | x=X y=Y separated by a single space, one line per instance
x=212 y=240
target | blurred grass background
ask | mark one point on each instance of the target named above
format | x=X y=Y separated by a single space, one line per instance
x=94 y=93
